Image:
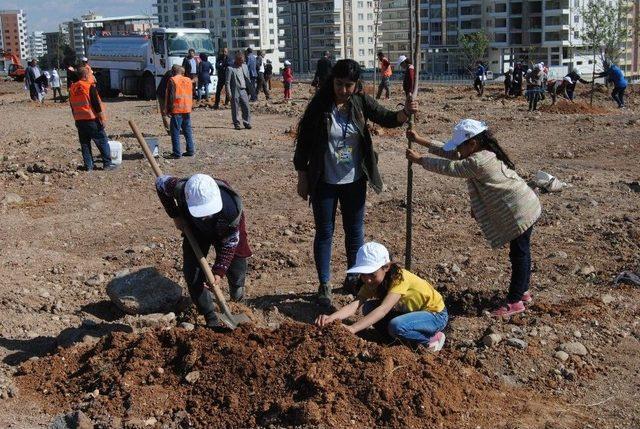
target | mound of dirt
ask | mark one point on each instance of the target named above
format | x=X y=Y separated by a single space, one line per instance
x=296 y=375
x=577 y=107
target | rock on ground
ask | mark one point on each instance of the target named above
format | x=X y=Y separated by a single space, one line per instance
x=144 y=291
x=574 y=348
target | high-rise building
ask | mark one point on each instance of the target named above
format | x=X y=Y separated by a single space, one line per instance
x=37 y=44
x=236 y=24
x=344 y=28
x=82 y=31
x=13 y=34
x=395 y=18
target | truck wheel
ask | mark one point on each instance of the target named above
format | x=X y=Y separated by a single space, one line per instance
x=148 y=90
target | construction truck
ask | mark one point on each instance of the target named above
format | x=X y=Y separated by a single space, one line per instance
x=134 y=65
x=16 y=71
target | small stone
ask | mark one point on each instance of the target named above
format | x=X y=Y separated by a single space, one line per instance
x=159 y=371
x=150 y=421
x=455 y=269
x=574 y=348
x=517 y=343
x=187 y=326
x=122 y=273
x=11 y=198
x=95 y=280
x=192 y=377
x=561 y=356
x=288 y=232
x=607 y=299
x=587 y=269
x=491 y=340
x=577 y=334
x=559 y=254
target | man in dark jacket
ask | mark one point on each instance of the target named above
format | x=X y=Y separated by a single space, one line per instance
x=222 y=63
x=190 y=66
x=575 y=77
x=213 y=211
x=323 y=69
x=261 y=83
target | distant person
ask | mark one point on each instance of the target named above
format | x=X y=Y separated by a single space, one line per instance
x=89 y=115
x=268 y=73
x=56 y=84
x=508 y=81
x=559 y=86
x=287 y=80
x=238 y=82
x=253 y=73
x=205 y=70
x=613 y=74
x=518 y=80
x=534 y=87
x=480 y=78
x=190 y=66
x=398 y=303
x=262 y=83
x=323 y=70
x=502 y=203
x=223 y=61
x=33 y=81
x=575 y=77
x=85 y=63
x=385 y=75
x=179 y=102
x=408 y=78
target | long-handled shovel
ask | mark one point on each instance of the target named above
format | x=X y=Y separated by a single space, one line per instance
x=230 y=320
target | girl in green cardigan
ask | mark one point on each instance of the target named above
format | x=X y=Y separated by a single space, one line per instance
x=501 y=201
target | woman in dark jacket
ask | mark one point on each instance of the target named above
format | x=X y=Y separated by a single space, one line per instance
x=334 y=158
x=205 y=70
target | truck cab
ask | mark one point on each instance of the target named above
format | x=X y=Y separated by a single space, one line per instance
x=134 y=65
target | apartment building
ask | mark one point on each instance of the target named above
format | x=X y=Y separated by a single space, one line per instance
x=13 y=34
x=395 y=19
x=37 y=44
x=236 y=24
x=344 y=28
x=82 y=31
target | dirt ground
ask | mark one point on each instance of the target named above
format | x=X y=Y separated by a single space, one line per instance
x=571 y=361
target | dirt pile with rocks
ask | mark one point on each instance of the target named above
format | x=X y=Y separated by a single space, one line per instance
x=565 y=107
x=296 y=375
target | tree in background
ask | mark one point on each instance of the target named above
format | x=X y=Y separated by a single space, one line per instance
x=605 y=30
x=474 y=48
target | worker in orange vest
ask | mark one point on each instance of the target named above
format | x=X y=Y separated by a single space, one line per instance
x=90 y=118
x=179 y=102
x=85 y=63
x=385 y=75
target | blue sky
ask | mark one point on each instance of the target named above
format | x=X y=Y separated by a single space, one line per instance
x=45 y=15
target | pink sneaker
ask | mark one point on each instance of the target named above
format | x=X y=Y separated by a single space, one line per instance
x=527 y=298
x=436 y=342
x=508 y=309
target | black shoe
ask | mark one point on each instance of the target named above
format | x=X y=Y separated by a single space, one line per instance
x=324 y=294
x=216 y=107
x=110 y=167
x=237 y=294
x=237 y=127
x=173 y=156
x=248 y=126
x=188 y=154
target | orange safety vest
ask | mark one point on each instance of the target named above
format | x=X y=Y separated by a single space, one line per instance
x=81 y=101
x=183 y=101
x=385 y=71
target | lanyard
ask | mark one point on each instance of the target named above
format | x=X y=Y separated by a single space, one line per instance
x=344 y=126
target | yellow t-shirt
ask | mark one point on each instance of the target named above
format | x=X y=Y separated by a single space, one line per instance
x=417 y=294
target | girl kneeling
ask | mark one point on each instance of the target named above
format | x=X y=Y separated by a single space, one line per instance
x=395 y=301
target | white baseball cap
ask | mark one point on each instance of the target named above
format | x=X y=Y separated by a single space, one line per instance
x=287 y=62
x=84 y=59
x=370 y=258
x=203 y=195
x=568 y=79
x=401 y=60
x=463 y=131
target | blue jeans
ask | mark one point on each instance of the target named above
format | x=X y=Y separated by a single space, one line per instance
x=520 y=257
x=203 y=88
x=181 y=121
x=325 y=200
x=93 y=130
x=417 y=326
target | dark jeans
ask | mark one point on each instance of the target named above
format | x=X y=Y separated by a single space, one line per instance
x=93 y=130
x=219 y=87
x=478 y=84
x=520 y=257
x=182 y=122
x=59 y=91
x=195 y=278
x=416 y=327
x=325 y=200
x=570 y=93
x=383 y=86
x=253 y=93
x=262 y=86
x=618 y=95
x=203 y=88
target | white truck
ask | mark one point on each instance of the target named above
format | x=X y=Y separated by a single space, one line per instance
x=134 y=65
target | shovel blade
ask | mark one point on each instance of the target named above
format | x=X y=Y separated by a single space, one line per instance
x=232 y=321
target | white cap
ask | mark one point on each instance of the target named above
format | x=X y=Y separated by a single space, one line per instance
x=84 y=59
x=463 y=131
x=568 y=79
x=370 y=258
x=510 y=68
x=401 y=59
x=203 y=195
x=287 y=62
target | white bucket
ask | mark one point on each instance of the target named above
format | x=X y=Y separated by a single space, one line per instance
x=116 y=152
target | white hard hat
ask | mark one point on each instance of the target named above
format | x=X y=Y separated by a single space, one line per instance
x=568 y=79
x=370 y=258
x=287 y=62
x=463 y=131
x=401 y=59
x=203 y=195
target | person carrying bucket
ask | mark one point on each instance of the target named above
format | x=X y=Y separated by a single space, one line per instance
x=395 y=301
x=501 y=201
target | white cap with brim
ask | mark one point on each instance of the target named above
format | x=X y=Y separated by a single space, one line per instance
x=370 y=258
x=401 y=60
x=287 y=63
x=84 y=59
x=203 y=195
x=463 y=131
x=568 y=79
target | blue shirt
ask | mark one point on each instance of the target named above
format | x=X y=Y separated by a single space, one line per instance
x=617 y=77
x=480 y=71
x=251 y=64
